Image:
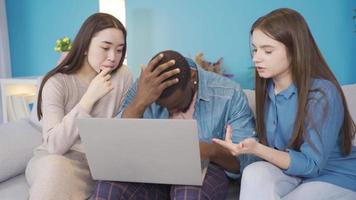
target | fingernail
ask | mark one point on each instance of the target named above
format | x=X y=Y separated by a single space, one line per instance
x=173 y=61
x=161 y=55
x=178 y=70
x=177 y=79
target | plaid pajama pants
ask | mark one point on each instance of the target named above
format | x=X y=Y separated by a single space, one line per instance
x=215 y=187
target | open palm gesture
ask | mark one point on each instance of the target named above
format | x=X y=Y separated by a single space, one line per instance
x=247 y=146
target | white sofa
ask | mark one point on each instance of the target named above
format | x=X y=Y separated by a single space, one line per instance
x=19 y=138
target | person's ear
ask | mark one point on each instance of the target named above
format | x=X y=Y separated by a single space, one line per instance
x=194 y=77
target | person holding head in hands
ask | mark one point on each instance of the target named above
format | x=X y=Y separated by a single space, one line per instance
x=174 y=87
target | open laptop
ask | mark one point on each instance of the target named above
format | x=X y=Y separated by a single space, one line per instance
x=162 y=151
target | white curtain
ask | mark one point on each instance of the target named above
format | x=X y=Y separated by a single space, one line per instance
x=5 y=62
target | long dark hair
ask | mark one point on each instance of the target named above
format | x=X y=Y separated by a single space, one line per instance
x=289 y=27
x=75 y=57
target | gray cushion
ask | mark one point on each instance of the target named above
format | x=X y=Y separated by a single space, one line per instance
x=33 y=116
x=350 y=95
x=251 y=99
x=14 y=188
x=18 y=139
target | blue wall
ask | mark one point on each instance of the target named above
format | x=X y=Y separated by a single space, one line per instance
x=216 y=28
x=221 y=29
x=35 y=25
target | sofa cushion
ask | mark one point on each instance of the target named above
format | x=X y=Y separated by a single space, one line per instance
x=251 y=99
x=350 y=95
x=14 y=188
x=18 y=139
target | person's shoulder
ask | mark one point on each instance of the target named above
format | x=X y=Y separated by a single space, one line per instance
x=323 y=84
x=219 y=81
x=57 y=83
x=323 y=87
x=218 y=86
x=57 y=79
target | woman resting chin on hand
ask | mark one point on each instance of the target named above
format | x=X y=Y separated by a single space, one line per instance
x=90 y=82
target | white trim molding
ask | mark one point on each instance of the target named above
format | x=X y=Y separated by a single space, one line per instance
x=5 y=60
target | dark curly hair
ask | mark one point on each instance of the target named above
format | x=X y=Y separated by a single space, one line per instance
x=183 y=76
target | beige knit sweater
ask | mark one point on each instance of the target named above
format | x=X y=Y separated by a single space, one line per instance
x=60 y=97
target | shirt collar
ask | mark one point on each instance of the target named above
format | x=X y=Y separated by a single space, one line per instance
x=202 y=83
x=286 y=93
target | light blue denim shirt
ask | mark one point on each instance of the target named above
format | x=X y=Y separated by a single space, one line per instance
x=219 y=102
x=320 y=159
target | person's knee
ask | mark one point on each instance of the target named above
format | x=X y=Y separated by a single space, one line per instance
x=53 y=165
x=257 y=172
x=180 y=192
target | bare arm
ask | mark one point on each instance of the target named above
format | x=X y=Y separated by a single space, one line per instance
x=220 y=156
x=134 y=110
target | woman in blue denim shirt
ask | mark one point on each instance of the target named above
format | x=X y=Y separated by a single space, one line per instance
x=303 y=124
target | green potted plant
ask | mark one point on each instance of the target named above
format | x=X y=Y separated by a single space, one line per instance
x=63 y=46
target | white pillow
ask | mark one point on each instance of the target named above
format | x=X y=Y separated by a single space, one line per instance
x=18 y=140
x=33 y=116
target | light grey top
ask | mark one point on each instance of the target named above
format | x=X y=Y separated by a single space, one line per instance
x=60 y=98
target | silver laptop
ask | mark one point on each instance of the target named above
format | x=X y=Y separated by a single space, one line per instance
x=162 y=151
